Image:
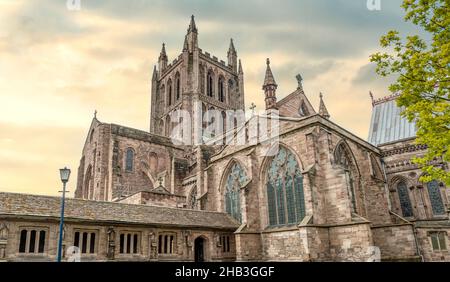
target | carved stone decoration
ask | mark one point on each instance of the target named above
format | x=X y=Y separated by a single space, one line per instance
x=111 y=243
x=4 y=231
x=153 y=245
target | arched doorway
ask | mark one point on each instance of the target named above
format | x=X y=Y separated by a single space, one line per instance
x=199 y=249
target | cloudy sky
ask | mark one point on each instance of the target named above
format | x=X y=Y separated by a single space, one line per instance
x=58 y=65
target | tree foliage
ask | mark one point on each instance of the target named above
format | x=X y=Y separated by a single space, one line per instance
x=422 y=67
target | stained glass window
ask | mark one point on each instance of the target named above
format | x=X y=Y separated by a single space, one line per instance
x=235 y=180
x=129 y=160
x=285 y=198
x=435 y=198
x=405 y=202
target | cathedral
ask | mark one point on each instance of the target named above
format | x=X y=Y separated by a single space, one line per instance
x=234 y=187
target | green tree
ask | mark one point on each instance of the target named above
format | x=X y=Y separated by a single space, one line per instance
x=422 y=68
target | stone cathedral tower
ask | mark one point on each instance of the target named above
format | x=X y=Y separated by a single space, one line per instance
x=195 y=82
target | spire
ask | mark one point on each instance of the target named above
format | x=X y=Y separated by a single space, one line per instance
x=322 y=108
x=240 y=67
x=270 y=87
x=192 y=26
x=269 y=79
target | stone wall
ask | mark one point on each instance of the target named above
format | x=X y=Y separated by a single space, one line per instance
x=396 y=242
x=156 y=199
x=350 y=242
x=284 y=245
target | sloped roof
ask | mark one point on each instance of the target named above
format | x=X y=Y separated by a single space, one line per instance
x=77 y=209
x=387 y=125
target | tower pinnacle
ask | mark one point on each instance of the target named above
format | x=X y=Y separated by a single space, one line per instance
x=192 y=26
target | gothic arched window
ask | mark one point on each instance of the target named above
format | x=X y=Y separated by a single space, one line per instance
x=235 y=180
x=192 y=201
x=405 y=202
x=435 y=198
x=210 y=84
x=230 y=90
x=285 y=198
x=177 y=86
x=221 y=90
x=169 y=92
x=343 y=158
x=129 y=160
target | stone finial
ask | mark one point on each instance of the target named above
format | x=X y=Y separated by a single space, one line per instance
x=299 y=81
x=371 y=98
x=322 y=108
x=95 y=114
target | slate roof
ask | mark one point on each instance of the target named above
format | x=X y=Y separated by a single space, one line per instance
x=387 y=125
x=23 y=205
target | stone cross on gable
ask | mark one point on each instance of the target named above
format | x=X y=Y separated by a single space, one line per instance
x=299 y=81
x=252 y=107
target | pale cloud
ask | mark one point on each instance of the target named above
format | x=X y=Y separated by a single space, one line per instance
x=58 y=66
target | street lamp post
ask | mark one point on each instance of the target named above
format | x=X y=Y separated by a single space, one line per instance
x=64 y=173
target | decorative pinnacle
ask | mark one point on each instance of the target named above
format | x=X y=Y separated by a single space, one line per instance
x=95 y=114
x=322 y=108
x=192 y=27
x=232 y=49
x=269 y=79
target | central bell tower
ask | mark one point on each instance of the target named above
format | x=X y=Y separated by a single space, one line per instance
x=194 y=81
